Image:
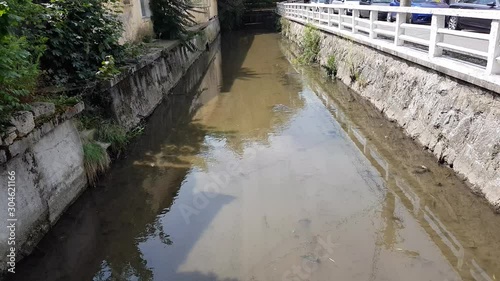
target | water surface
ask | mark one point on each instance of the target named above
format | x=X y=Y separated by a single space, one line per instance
x=271 y=172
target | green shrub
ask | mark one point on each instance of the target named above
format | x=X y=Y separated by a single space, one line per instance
x=171 y=17
x=19 y=58
x=81 y=34
x=95 y=160
x=311 y=45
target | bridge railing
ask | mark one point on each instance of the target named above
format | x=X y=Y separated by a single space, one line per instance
x=474 y=48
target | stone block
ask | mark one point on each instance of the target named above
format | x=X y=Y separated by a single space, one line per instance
x=21 y=145
x=24 y=122
x=47 y=127
x=41 y=109
x=10 y=137
x=74 y=110
x=18 y=147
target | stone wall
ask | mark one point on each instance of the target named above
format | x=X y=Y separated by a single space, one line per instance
x=47 y=158
x=135 y=94
x=458 y=122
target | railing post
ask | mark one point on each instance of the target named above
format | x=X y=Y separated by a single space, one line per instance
x=436 y=23
x=400 y=19
x=341 y=12
x=355 y=14
x=373 y=19
x=492 y=66
x=330 y=10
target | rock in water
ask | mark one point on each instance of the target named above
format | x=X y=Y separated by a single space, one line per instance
x=281 y=108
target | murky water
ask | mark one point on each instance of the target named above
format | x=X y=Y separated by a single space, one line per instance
x=272 y=173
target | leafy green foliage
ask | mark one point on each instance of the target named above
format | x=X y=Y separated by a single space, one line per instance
x=108 y=69
x=311 y=45
x=18 y=58
x=171 y=17
x=81 y=33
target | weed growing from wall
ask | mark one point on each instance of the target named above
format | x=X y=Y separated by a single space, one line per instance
x=109 y=132
x=331 y=66
x=311 y=45
x=96 y=160
x=284 y=25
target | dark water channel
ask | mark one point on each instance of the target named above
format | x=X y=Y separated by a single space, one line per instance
x=270 y=172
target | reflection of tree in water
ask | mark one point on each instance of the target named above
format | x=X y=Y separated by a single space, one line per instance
x=256 y=78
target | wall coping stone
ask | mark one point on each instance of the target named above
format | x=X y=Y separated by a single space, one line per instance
x=30 y=129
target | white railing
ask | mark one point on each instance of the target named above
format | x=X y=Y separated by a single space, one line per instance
x=392 y=36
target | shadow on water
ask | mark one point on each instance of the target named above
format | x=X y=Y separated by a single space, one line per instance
x=235 y=49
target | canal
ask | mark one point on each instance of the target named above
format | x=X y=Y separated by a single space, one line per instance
x=270 y=171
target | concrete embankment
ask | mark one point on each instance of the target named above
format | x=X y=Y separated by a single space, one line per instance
x=46 y=154
x=458 y=122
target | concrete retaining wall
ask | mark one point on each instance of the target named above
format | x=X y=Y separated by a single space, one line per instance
x=137 y=93
x=457 y=121
x=49 y=176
